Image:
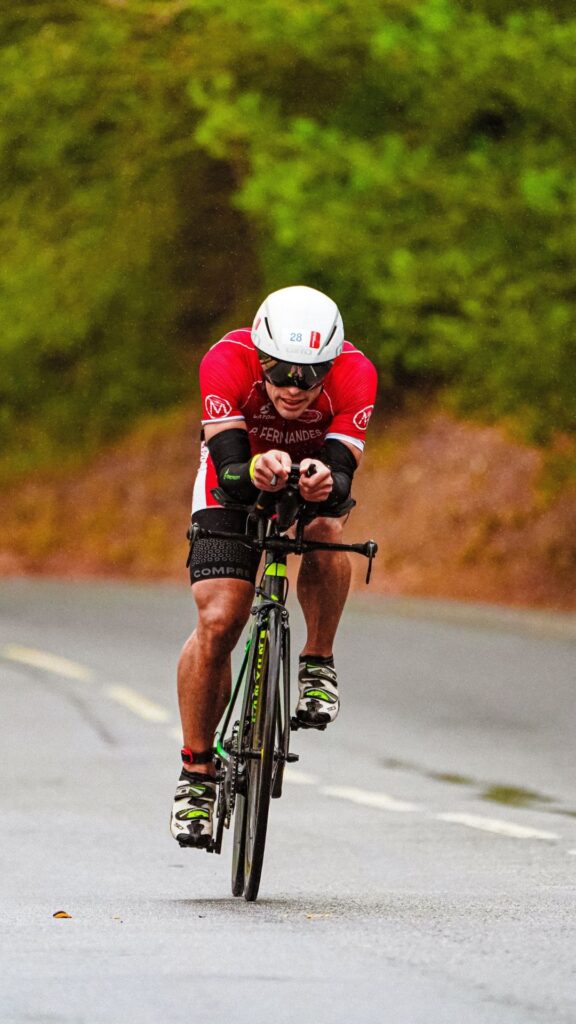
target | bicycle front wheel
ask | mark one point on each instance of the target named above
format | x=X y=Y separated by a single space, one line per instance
x=239 y=846
x=262 y=709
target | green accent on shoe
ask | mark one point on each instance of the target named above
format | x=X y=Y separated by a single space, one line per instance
x=320 y=695
x=192 y=814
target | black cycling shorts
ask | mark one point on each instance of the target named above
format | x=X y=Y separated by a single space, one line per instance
x=213 y=559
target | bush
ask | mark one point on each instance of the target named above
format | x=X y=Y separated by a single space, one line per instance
x=415 y=160
x=163 y=165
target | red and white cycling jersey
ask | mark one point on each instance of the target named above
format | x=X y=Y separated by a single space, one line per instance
x=233 y=390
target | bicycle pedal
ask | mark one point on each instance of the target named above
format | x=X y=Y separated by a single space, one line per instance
x=184 y=845
x=296 y=724
x=292 y=758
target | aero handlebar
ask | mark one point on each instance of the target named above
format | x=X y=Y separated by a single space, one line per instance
x=281 y=508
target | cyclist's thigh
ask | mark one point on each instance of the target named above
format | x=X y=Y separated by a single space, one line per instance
x=217 y=559
x=222 y=574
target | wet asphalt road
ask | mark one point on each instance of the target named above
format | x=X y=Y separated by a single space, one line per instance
x=420 y=865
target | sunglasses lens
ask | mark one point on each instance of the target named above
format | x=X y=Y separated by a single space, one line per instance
x=289 y=375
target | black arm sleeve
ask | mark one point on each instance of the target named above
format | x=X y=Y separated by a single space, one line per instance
x=343 y=465
x=231 y=455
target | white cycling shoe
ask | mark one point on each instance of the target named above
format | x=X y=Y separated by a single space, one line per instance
x=191 y=821
x=319 y=703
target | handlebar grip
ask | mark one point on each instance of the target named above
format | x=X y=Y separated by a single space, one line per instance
x=265 y=500
x=368 y=549
x=312 y=469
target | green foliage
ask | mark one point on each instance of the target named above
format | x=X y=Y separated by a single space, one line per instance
x=164 y=162
x=416 y=161
x=104 y=276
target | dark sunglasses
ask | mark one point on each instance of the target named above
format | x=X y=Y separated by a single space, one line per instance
x=295 y=375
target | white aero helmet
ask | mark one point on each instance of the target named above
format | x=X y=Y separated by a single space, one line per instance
x=298 y=333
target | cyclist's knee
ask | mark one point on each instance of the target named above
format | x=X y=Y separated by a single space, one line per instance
x=325 y=529
x=223 y=607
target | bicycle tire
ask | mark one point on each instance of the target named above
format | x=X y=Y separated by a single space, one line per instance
x=262 y=733
x=278 y=771
x=239 y=845
x=283 y=715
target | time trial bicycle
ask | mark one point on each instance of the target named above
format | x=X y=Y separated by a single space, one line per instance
x=252 y=742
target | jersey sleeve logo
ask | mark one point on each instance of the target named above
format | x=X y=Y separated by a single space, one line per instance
x=362 y=418
x=217 y=407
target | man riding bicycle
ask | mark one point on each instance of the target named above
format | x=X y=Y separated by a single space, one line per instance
x=291 y=389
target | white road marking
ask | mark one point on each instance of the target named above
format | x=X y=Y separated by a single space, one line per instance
x=152 y=712
x=369 y=799
x=47 y=662
x=572 y=853
x=295 y=777
x=502 y=828
x=140 y=705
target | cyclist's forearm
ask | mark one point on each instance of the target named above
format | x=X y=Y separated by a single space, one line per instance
x=231 y=455
x=342 y=465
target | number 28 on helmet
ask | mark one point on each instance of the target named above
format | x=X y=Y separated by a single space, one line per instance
x=298 y=333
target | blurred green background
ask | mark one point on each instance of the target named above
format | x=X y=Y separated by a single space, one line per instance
x=164 y=163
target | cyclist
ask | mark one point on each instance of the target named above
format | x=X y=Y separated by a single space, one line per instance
x=291 y=389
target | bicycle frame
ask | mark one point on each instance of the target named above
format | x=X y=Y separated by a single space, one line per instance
x=270 y=620
x=270 y=595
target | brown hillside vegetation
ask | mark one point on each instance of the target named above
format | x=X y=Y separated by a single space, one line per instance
x=459 y=511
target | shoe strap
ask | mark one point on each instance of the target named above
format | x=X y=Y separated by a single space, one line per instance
x=314 y=672
x=188 y=779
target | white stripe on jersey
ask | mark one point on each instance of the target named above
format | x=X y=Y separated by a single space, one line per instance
x=199 y=500
x=222 y=419
x=325 y=392
x=231 y=341
x=350 y=440
x=255 y=385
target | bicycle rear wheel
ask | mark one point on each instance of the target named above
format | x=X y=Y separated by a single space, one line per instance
x=262 y=708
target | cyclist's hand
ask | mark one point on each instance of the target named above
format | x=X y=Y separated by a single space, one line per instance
x=317 y=487
x=271 y=471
